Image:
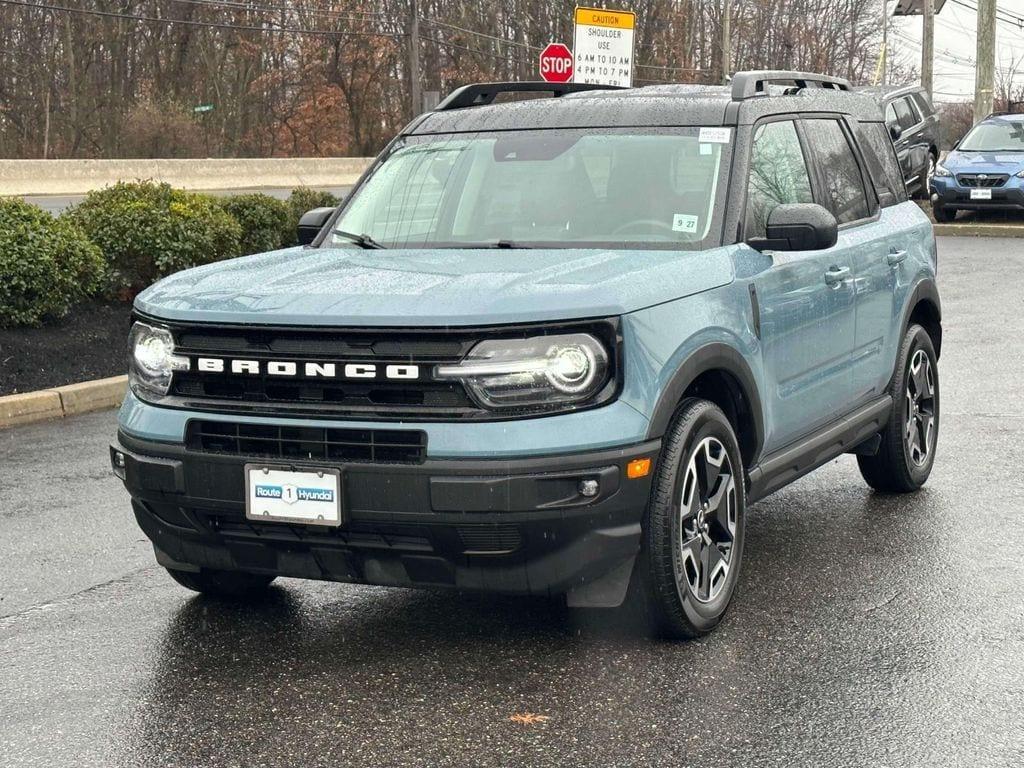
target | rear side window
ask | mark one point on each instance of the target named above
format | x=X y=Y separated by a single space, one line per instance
x=778 y=174
x=880 y=157
x=904 y=115
x=841 y=180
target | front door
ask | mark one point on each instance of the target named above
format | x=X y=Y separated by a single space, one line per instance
x=806 y=299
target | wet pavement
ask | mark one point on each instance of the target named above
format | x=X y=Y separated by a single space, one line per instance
x=869 y=630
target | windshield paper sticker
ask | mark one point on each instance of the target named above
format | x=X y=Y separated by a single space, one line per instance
x=684 y=222
x=715 y=135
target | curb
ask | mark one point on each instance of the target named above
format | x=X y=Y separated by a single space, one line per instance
x=979 y=230
x=58 y=402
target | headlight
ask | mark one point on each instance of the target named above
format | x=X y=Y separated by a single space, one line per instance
x=941 y=170
x=1020 y=174
x=505 y=374
x=152 y=359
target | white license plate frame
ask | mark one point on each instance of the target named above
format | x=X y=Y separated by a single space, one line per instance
x=981 y=194
x=287 y=504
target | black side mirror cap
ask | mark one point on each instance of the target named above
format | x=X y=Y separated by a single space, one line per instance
x=311 y=223
x=798 y=227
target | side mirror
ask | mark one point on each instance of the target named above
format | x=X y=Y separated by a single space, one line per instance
x=799 y=227
x=311 y=223
x=895 y=132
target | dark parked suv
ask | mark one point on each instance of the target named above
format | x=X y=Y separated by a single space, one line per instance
x=914 y=128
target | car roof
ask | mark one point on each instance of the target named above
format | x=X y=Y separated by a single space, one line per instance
x=888 y=92
x=647 y=106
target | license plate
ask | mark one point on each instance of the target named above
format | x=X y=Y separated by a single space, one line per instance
x=981 y=194
x=311 y=496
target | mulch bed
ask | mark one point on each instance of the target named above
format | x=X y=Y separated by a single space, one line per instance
x=91 y=342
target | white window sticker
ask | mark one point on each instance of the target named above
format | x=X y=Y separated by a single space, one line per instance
x=715 y=135
x=684 y=222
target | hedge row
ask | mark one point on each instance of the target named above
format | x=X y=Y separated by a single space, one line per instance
x=122 y=238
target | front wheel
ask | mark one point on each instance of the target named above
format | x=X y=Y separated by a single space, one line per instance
x=942 y=214
x=693 y=534
x=907 y=451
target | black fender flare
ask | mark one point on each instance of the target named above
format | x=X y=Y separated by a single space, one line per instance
x=710 y=357
x=926 y=289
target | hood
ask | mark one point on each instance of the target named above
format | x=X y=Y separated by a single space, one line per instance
x=984 y=162
x=432 y=287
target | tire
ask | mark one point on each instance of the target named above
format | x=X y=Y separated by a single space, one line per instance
x=230 y=585
x=686 y=542
x=907 y=452
x=925 y=190
x=942 y=214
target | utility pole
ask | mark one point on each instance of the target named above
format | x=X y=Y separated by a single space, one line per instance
x=885 y=41
x=984 y=79
x=414 y=58
x=928 y=46
x=726 y=40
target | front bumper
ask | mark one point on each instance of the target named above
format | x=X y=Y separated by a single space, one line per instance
x=947 y=193
x=517 y=526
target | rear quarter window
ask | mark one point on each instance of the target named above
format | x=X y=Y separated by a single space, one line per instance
x=923 y=105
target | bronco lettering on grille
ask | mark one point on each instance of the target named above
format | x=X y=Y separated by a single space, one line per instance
x=289 y=368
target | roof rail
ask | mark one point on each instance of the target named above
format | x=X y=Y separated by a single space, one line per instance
x=481 y=94
x=746 y=85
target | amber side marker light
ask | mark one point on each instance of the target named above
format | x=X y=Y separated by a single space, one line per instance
x=638 y=468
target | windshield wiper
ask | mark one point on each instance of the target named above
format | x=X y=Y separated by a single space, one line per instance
x=363 y=241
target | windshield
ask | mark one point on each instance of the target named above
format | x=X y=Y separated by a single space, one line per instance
x=995 y=136
x=551 y=188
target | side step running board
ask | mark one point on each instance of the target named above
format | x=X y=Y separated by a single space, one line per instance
x=784 y=466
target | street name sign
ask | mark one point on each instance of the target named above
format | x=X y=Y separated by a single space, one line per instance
x=603 y=46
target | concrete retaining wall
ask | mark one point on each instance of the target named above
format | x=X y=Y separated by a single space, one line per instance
x=76 y=177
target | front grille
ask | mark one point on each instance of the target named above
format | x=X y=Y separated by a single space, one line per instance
x=975 y=180
x=319 y=372
x=376 y=397
x=387 y=446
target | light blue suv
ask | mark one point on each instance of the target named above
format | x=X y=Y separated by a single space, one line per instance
x=553 y=346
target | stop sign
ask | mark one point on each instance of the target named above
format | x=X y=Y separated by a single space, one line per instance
x=556 y=63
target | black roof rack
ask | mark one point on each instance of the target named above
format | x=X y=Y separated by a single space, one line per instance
x=481 y=94
x=746 y=85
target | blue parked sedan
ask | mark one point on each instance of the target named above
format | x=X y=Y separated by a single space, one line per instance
x=984 y=172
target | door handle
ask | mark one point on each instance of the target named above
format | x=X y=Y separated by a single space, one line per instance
x=836 y=275
x=895 y=257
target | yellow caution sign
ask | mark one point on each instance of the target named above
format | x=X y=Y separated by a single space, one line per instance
x=601 y=17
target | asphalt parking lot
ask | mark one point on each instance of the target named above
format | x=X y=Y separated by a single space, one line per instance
x=868 y=630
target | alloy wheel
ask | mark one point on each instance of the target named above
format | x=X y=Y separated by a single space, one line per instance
x=707 y=524
x=920 y=397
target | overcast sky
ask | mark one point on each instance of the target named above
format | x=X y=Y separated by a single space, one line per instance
x=955 y=44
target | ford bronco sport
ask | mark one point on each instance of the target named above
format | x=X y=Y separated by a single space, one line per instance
x=553 y=346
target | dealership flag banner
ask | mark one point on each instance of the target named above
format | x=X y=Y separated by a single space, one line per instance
x=603 y=46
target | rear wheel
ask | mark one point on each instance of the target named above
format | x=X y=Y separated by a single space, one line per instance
x=693 y=533
x=232 y=585
x=907 y=451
